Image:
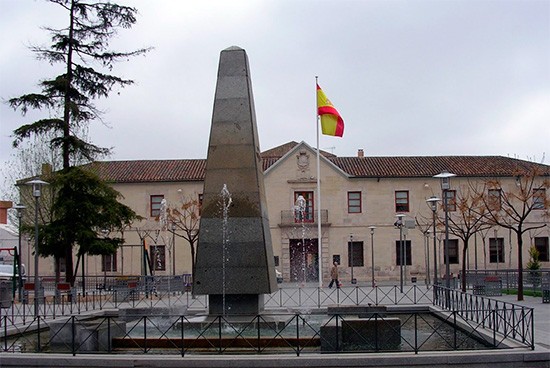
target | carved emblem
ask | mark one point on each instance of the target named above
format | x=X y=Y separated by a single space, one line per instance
x=303 y=160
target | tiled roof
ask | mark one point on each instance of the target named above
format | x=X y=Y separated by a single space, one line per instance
x=426 y=166
x=141 y=171
x=149 y=170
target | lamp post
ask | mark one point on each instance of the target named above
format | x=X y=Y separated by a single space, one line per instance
x=36 y=192
x=399 y=225
x=427 y=252
x=373 y=283
x=497 y=246
x=445 y=178
x=432 y=202
x=19 y=207
x=351 y=258
x=173 y=226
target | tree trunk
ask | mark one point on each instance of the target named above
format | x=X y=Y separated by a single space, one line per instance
x=520 y=265
x=463 y=276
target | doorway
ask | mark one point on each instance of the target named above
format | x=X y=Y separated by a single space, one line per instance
x=304 y=260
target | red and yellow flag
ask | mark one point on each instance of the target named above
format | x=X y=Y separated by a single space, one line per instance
x=331 y=121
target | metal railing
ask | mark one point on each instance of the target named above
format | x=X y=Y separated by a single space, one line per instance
x=151 y=294
x=533 y=281
x=292 y=218
x=294 y=333
x=316 y=297
x=505 y=320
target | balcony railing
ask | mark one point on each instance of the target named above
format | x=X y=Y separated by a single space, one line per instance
x=294 y=218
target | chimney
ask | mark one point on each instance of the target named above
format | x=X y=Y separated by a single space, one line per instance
x=46 y=169
x=360 y=153
x=4 y=207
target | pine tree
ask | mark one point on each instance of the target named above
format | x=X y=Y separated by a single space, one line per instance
x=82 y=48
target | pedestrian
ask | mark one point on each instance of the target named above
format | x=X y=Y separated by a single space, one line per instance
x=334 y=276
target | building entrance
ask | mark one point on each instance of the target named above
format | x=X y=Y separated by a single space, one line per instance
x=304 y=260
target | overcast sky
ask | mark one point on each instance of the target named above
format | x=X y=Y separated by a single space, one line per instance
x=410 y=78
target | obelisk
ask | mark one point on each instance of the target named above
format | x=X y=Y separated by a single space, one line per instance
x=234 y=264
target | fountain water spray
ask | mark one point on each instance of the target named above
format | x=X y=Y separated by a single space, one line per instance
x=225 y=202
x=300 y=206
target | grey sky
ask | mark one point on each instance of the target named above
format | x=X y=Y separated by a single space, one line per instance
x=408 y=77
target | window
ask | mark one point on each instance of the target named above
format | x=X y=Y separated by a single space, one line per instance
x=354 y=202
x=108 y=263
x=539 y=198
x=542 y=247
x=158 y=257
x=307 y=214
x=406 y=251
x=402 y=201
x=201 y=196
x=62 y=265
x=496 y=250
x=451 y=200
x=156 y=200
x=453 y=251
x=355 y=254
x=494 y=199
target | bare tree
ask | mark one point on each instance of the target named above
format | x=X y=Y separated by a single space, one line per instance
x=517 y=208
x=185 y=219
x=467 y=220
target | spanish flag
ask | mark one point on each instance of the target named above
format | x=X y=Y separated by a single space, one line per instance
x=331 y=121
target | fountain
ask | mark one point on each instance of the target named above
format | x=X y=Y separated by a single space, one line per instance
x=300 y=208
x=235 y=285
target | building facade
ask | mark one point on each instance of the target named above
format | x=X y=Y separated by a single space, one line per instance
x=360 y=198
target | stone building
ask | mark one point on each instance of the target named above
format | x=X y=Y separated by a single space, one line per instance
x=360 y=197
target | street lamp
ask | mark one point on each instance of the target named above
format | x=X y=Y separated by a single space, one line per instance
x=351 y=258
x=497 y=246
x=36 y=192
x=19 y=207
x=427 y=253
x=372 y=253
x=445 y=178
x=173 y=226
x=432 y=202
x=399 y=225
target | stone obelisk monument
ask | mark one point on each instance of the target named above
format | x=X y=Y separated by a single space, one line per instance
x=234 y=264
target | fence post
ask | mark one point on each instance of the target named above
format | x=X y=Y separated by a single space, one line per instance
x=73 y=332
x=109 y=334
x=416 y=332
x=38 y=333
x=145 y=334
x=5 y=333
x=494 y=328
x=454 y=329
x=297 y=316
x=182 y=337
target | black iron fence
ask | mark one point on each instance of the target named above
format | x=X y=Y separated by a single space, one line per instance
x=534 y=281
x=274 y=333
x=503 y=319
x=160 y=291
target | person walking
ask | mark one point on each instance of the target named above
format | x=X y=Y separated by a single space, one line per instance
x=334 y=276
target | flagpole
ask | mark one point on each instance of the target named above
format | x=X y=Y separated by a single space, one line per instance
x=319 y=234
